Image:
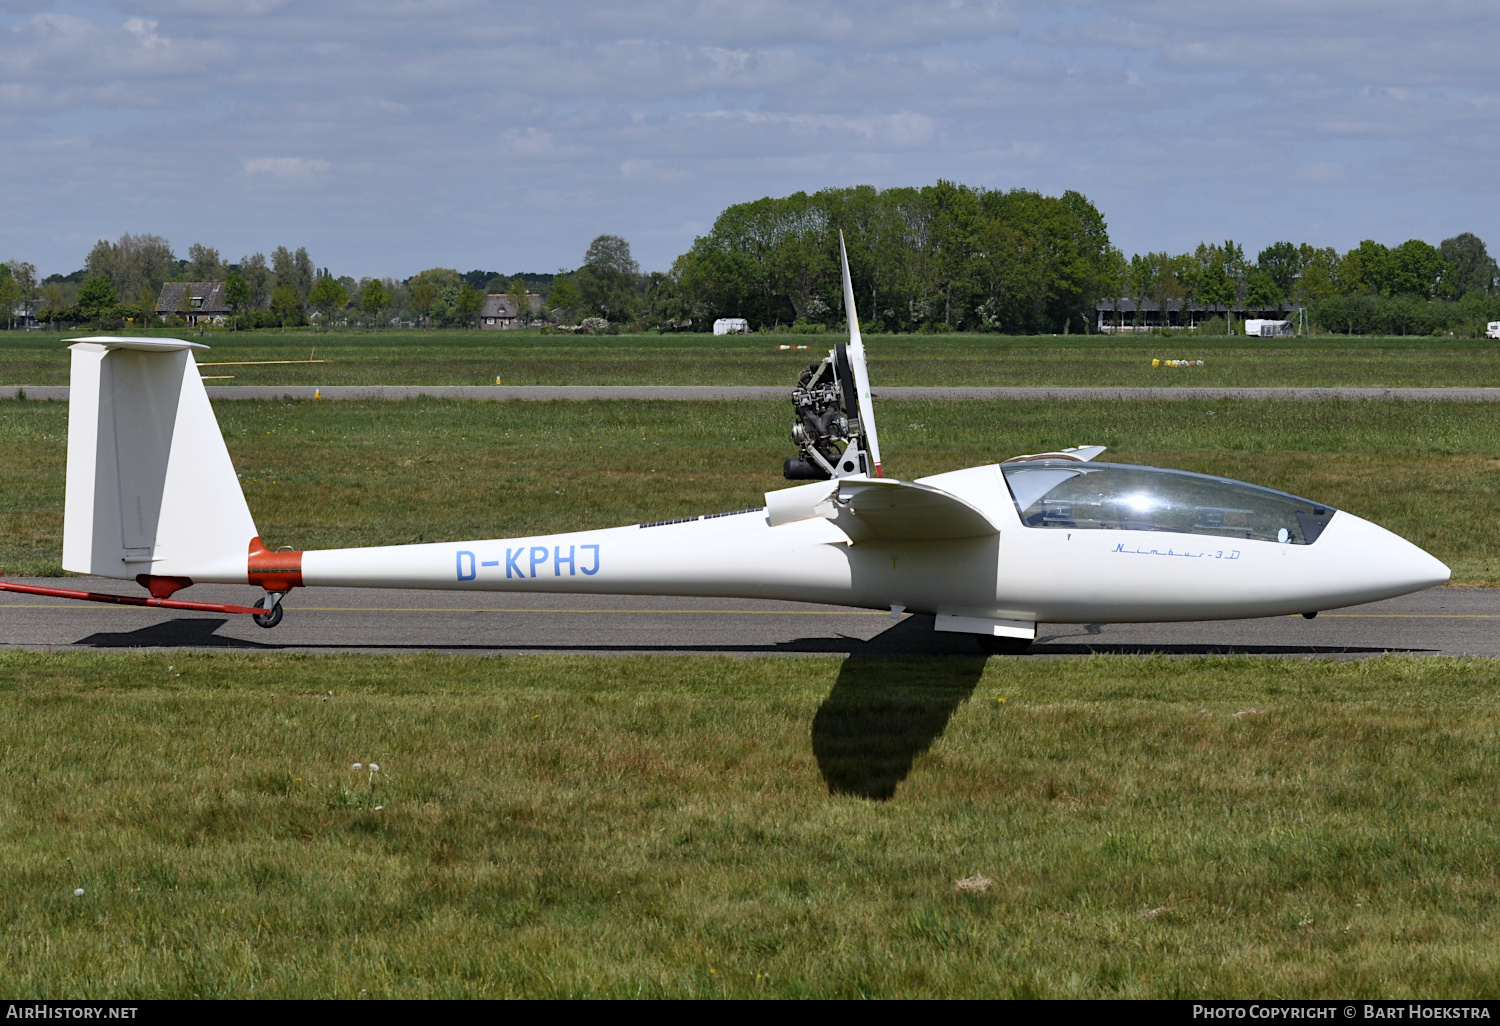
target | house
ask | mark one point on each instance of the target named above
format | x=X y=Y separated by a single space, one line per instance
x=205 y=301
x=499 y=312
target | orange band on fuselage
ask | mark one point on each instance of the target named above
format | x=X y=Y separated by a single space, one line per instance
x=274 y=571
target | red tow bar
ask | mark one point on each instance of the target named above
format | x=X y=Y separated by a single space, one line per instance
x=128 y=600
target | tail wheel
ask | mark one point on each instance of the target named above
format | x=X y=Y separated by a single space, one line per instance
x=1002 y=646
x=267 y=620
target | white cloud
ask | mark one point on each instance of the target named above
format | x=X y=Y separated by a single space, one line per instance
x=145 y=32
x=650 y=171
x=533 y=143
x=899 y=129
x=287 y=168
x=61 y=63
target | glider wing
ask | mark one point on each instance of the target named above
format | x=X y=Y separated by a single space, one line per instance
x=881 y=509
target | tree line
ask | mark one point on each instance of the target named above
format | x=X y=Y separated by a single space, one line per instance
x=945 y=257
x=121 y=282
x=1413 y=288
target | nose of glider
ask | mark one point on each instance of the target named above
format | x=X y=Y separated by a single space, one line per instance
x=1373 y=563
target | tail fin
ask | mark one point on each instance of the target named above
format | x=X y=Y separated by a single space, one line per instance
x=151 y=489
x=857 y=365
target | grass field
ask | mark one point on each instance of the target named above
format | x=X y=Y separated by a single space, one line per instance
x=527 y=358
x=356 y=473
x=658 y=827
x=770 y=827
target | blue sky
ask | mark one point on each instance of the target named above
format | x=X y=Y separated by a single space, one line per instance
x=392 y=136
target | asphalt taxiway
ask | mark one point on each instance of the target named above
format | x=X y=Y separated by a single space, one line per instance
x=1443 y=621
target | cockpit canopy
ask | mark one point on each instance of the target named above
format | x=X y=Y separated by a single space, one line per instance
x=1123 y=497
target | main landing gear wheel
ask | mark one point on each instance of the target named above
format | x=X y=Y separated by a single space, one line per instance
x=267 y=620
x=1002 y=646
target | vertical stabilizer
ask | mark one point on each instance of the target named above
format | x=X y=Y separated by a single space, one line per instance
x=857 y=365
x=151 y=489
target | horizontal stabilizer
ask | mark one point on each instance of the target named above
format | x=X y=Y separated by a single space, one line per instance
x=884 y=509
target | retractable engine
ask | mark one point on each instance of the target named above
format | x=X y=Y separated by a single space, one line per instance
x=826 y=425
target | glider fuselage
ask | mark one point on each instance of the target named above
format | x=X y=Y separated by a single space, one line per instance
x=1020 y=573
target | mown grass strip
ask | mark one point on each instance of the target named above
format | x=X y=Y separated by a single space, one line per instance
x=562 y=826
x=526 y=358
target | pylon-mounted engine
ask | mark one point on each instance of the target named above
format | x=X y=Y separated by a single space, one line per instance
x=826 y=426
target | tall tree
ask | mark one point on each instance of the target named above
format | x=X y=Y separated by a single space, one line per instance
x=131 y=262
x=1167 y=285
x=286 y=304
x=24 y=275
x=53 y=301
x=96 y=296
x=563 y=298
x=145 y=307
x=1282 y=262
x=428 y=287
x=1112 y=278
x=257 y=275
x=1143 y=271
x=1363 y=269
x=1413 y=268
x=10 y=295
x=469 y=302
x=294 y=269
x=237 y=295
x=373 y=299
x=1262 y=292
x=520 y=298
x=307 y=272
x=610 y=279
x=328 y=294
x=1320 y=272
x=1215 y=286
x=1473 y=267
x=204 y=264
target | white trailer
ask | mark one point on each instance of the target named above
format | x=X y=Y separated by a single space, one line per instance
x=1259 y=328
x=1492 y=329
x=731 y=326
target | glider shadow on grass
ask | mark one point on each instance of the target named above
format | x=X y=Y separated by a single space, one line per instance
x=896 y=693
x=884 y=712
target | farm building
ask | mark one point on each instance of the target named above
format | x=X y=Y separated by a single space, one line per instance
x=499 y=312
x=1125 y=314
x=205 y=300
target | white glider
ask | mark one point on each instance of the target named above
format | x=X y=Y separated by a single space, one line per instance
x=991 y=551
